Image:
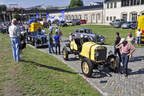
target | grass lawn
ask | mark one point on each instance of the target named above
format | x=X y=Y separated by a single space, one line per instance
x=107 y=31
x=39 y=74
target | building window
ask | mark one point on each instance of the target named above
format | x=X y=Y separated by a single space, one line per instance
x=98 y=16
x=110 y=18
x=115 y=4
x=93 y=17
x=107 y=5
x=80 y=17
x=142 y=1
x=111 y=5
x=86 y=16
x=107 y=18
x=124 y=17
x=138 y=2
x=134 y=16
x=114 y=18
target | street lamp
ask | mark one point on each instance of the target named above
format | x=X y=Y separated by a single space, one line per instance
x=4 y=12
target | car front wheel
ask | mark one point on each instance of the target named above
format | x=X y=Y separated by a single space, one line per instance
x=87 y=67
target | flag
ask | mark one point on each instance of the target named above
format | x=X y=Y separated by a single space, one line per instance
x=47 y=16
x=37 y=15
x=63 y=16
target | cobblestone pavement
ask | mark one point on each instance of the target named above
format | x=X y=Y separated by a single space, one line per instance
x=114 y=84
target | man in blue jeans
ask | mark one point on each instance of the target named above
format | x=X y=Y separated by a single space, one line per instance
x=57 y=42
x=14 y=33
x=50 y=42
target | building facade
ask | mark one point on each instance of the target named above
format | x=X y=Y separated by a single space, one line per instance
x=104 y=13
x=127 y=10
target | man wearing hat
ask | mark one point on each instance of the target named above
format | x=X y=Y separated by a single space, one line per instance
x=126 y=49
x=14 y=33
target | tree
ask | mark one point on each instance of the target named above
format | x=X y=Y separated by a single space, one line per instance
x=17 y=16
x=75 y=3
x=2 y=8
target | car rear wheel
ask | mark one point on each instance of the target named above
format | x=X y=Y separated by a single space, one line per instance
x=35 y=44
x=87 y=67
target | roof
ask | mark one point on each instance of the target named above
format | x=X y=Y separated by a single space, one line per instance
x=95 y=7
x=110 y=0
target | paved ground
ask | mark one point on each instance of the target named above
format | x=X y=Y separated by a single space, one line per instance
x=114 y=84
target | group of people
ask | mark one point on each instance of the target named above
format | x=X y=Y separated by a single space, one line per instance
x=124 y=48
x=54 y=41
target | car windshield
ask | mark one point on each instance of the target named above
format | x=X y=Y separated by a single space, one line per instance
x=40 y=33
x=88 y=31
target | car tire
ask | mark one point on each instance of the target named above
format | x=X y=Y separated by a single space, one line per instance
x=35 y=44
x=113 y=62
x=87 y=67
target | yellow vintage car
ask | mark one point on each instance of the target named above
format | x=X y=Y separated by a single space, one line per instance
x=92 y=55
x=141 y=26
x=35 y=26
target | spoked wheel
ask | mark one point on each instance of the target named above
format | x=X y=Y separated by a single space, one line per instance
x=65 y=54
x=87 y=67
x=113 y=63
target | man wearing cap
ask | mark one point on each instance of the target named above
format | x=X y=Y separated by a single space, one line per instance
x=14 y=33
x=126 y=50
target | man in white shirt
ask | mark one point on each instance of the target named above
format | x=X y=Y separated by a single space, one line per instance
x=14 y=33
x=138 y=37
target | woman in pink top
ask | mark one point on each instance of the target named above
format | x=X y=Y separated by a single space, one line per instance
x=126 y=50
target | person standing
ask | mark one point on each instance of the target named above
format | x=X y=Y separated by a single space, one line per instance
x=126 y=50
x=130 y=38
x=116 y=50
x=57 y=42
x=138 y=36
x=14 y=33
x=50 y=42
x=58 y=31
x=51 y=29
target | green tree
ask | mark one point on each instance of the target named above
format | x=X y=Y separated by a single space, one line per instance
x=17 y=16
x=2 y=8
x=75 y=3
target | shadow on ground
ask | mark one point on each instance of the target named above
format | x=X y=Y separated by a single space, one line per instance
x=48 y=67
x=135 y=59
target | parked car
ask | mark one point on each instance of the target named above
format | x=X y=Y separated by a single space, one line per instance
x=133 y=25
x=82 y=21
x=4 y=29
x=117 y=23
x=87 y=33
x=73 y=22
x=126 y=25
x=38 y=39
x=69 y=23
x=62 y=24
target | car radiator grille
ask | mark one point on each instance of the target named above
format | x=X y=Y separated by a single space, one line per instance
x=44 y=40
x=102 y=55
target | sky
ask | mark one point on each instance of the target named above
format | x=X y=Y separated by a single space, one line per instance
x=30 y=3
